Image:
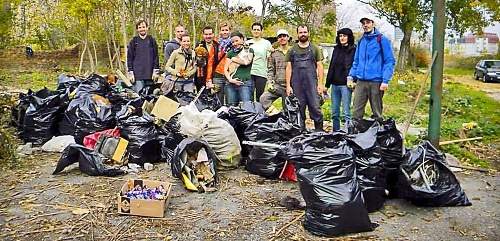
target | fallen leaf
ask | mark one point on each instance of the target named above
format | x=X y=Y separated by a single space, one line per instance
x=80 y=211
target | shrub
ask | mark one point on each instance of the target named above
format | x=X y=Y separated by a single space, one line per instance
x=462 y=62
x=421 y=56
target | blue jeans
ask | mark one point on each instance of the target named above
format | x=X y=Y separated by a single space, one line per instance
x=340 y=94
x=236 y=94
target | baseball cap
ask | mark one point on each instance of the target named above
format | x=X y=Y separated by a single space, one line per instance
x=368 y=17
x=282 y=32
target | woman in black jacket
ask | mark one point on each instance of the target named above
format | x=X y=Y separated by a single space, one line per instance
x=340 y=64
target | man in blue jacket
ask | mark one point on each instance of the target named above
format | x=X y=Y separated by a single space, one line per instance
x=372 y=69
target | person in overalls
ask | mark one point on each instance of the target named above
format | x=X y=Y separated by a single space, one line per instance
x=304 y=76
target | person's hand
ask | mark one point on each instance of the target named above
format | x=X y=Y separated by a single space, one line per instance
x=209 y=84
x=155 y=75
x=236 y=82
x=270 y=86
x=289 y=90
x=351 y=84
x=383 y=86
x=131 y=77
x=320 y=89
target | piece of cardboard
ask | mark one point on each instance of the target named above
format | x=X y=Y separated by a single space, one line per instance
x=142 y=207
x=165 y=108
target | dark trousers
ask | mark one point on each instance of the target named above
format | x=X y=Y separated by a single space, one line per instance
x=367 y=91
x=259 y=84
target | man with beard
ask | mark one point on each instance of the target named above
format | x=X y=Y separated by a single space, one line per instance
x=372 y=69
x=212 y=47
x=304 y=76
x=174 y=43
x=276 y=71
x=142 y=58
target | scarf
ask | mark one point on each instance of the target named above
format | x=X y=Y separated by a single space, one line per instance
x=224 y=44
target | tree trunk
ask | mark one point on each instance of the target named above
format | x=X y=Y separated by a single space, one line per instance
x=404 y=48
x=81 y=57
x=124 y=33
x=413 y=61
x=263 y=12
x=194 y=23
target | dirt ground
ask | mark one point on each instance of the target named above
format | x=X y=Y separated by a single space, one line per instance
x=36 y=205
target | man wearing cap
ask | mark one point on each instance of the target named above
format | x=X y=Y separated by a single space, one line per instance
x=261 y=48
x=372 y=70
x=276 y=71
x=304 y=76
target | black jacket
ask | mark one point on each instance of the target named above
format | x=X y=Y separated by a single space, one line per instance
x=339 y=77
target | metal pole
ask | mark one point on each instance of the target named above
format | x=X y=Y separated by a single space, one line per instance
x=438 y=31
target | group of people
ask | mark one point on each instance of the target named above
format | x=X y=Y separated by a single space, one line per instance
x=238 y=70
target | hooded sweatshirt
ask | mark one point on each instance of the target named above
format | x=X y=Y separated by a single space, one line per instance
x=170 y=46
x=342 y=58
x=368 y=64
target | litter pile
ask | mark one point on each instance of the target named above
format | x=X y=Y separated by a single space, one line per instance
x=109 y=130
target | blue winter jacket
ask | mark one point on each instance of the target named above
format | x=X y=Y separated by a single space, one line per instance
x=368 y=64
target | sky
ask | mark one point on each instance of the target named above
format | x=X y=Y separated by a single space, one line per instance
x=351 y=9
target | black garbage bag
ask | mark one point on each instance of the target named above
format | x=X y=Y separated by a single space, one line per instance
x=119 y=97
x=355 y=126
x=170 y=136
x=391 y=144
x=86 y=114
x=89 y=162
x=184 y=98
x=426 y=180
x=369 y=167
x=186 y=166
x=19 y=111
x=93 y=84
x=240 y=117
x=268 y=161
x=68 y=82
x=208 y=101
x=291 y=111
x=246 y=113
x=139 y=129
x=41 y=117
x=326 y=172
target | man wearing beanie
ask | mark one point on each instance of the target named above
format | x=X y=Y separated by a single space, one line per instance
x=340 y=64
x=372 y=68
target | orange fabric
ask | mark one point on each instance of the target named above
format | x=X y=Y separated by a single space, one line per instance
x=220 y=66
x=210 y=63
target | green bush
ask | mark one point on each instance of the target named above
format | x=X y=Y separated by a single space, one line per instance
x=461 y=62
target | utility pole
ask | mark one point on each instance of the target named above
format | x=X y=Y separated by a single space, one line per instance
x=438 y=31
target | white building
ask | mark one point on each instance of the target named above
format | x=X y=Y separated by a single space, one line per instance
x=473 y=45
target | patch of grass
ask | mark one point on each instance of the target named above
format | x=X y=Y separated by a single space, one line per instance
x=8 y=140
x=460 y=104
x=29 y=80
x=454 y=71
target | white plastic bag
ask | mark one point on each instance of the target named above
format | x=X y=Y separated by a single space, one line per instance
x=216 y=132
x=58 y=143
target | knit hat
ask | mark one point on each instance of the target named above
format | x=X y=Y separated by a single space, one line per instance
x=348 y=32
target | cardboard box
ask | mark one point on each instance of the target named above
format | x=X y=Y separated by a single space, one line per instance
x=142 y=207
x=164 y=108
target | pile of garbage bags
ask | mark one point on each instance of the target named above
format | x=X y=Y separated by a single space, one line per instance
x=342 y=176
